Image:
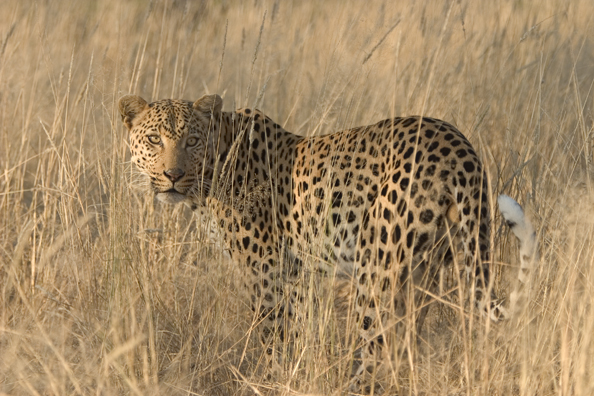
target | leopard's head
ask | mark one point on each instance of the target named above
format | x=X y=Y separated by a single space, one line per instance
x=173 y=143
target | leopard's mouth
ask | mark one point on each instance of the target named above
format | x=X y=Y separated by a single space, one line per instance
x=171 y=196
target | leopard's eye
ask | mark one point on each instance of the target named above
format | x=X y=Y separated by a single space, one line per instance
x=191 y=142
x=154 y=139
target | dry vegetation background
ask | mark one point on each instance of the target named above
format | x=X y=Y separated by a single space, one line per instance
x=105 y=291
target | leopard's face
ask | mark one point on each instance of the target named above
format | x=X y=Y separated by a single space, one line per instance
x=171 y=142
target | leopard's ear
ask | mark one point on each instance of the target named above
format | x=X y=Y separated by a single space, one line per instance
x=209 y=105
x=130 y=107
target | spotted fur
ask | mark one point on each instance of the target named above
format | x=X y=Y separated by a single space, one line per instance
x=387 y=204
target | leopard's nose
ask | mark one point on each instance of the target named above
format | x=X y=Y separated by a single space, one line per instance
x=174 y=174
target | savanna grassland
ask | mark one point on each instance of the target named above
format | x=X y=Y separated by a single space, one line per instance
x=105 y=291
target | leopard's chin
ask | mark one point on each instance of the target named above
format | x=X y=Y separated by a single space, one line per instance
x=172 y=197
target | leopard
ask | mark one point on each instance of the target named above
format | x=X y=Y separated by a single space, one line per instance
x=387 y=204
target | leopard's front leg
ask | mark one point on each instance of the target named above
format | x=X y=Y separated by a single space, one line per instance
x=273 y=300
x=269 y=280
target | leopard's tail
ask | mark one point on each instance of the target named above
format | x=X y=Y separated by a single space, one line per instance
x=522 y=228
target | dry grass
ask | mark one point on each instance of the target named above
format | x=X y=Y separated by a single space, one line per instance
x=104 y=291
